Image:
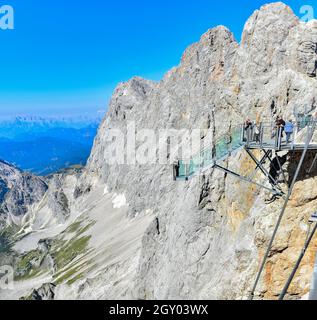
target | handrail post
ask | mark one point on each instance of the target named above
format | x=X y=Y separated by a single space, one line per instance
x=242 y=134
x=175 y=171
x=261 y=134
x=248 y=136
x=294 y=136
x=279 y=138
x=313 y=290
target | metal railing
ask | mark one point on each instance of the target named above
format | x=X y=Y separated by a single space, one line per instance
x=261 y=136
x=223 y=146
x=270 y=135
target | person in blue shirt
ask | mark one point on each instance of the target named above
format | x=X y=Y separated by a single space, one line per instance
x=289 y=130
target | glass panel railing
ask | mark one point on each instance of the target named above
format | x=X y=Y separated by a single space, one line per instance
x=194 y=166
x=207 y=158
x=222 y=148
x=268 y=133
x=236 y=138
x=267 y=136
x=303 y=121
x=314 y=139
x=182 y=173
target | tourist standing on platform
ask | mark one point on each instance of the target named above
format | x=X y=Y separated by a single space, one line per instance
x=257 y=133
x=257 y=130
x=280 y=125
x=176 y=168
x=248 y=126
x=289 y=130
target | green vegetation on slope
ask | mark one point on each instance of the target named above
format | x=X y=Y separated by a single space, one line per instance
x=30 y=265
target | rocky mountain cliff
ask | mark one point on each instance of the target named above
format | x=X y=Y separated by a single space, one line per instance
x=18 y=191
x=130 y=231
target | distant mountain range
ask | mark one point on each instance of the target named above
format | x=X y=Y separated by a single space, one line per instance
x=45 y=145
x=14 y=127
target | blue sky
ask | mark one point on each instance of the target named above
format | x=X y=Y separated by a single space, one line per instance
x=66 y=56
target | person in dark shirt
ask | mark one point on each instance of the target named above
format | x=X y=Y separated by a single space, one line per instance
x=280 y=125
x=248 y=126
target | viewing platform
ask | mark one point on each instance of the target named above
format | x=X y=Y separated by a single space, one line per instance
x=264 y=136
x=270 y=139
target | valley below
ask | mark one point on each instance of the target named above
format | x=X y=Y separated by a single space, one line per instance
x=82 y=227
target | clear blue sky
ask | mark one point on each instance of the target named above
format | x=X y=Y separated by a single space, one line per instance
x=66 y=56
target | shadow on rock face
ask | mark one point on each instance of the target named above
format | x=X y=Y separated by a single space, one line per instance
x=309 y=167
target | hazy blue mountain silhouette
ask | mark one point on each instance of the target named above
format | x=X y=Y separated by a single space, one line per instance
x=44 y=147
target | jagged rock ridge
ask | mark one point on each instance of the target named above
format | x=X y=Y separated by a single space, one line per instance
x=141 y=235
x=18 y=191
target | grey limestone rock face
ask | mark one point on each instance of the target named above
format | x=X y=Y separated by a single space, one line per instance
x=206 y=236
x=207 y=245
x=57 y=199
x=18 y=191
x=46 y=292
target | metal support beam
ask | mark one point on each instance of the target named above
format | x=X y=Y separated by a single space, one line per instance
x=271 y=160
x=280 y=218
x=313 y=289
x=281 y=168
x=266 y=153
x=264 y=171
x=301 y=256
x=312 y=165
x=246 y=179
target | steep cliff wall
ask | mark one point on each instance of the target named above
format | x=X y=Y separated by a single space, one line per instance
x=213 y=230
x=131 y=231
x=18 y=191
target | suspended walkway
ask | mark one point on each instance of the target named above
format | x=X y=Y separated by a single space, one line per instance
x=269 y=139
x=265 y=137
x=207 y=157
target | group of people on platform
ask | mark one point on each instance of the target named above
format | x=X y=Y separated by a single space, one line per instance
x=283 y=126
x=253 y=130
